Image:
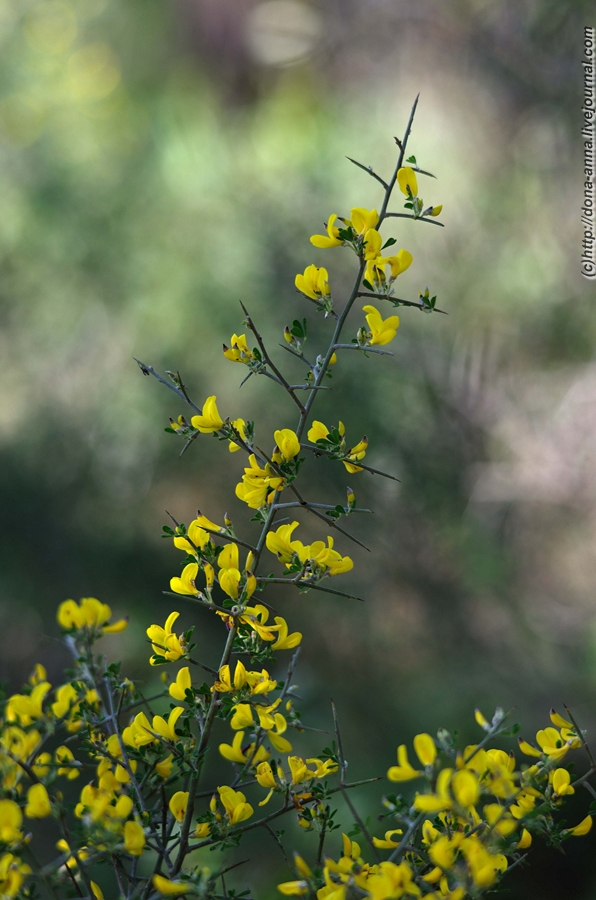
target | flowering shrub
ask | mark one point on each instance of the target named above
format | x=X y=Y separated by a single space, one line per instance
x=147 y=801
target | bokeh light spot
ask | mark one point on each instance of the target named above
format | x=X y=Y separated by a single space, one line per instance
x=282 y=32
x=50 y=27
x=22 y=119
x=93 y=72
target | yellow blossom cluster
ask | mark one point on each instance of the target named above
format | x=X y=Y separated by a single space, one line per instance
x=124 y=775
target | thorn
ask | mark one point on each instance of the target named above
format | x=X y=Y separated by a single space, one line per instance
x=146 y=370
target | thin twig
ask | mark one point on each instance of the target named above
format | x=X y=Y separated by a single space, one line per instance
x=363 y=349
x=421 y=306
x=264 y=579
x=369 y=171
x=343 y=769
x=149 y=370
x=392 y=215
x=294 y=504
x=250 y=324
x=329 y=454
x=580 y=735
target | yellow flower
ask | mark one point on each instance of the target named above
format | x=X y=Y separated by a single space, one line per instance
x=407 y=181
x=89 y=614
x=229 y=557
x=229 y=574
x=240 y=426
x=239 y=350
x=322 y=767
x=287 y=443
x=372 y=250
x=210 y=419
x=382 y=330
x=234 y=753
x=256 y=617
x=499 y=818
x=38 y=802
x=481 y=720
x=322 y=558
x=258 y=485
x=332 y=237
x=301 y=866
x=525 y=840
x=65 y=756
x=185 y=584
x=440 y=800
x=12 y=875
x=403 y=771
x=167 y=729
x=317 y=432
x=387 y=843
x=134 y=838
x=139 y=732
x=293 y=888
x=265 y=777
x=556 y=743
x=274 y=736
x=300 y=771
x=356 y=453
x=243 y=717
x=97 y=891
x=436 y=210
x=562 y=782
x=363 y=219
x=225 y=684
x=177 y=805
x=202 y=830
x=27 y=708
x=583 y=828
x=279 y=542
x=196 y=535
x=268 y=718
x=163 y=640
x=314 y=283
x=284 y=640
x=164 y=767
x=183 y=683
x=398 y=263
x=235 y=805
x=465 y=788
x=528 y=749
x=11 y=819
x=38 y=675
x=41 y=765
x=228 y=581
x=391 y=880
x=169 y=888
x=425 y=749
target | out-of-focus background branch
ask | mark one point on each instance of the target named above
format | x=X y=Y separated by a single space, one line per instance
x=161 y=161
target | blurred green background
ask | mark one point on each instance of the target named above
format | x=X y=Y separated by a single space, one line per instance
x=160 y=161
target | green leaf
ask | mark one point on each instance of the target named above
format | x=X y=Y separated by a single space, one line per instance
x=411 y=159
x=367 y=284
x=389 y=243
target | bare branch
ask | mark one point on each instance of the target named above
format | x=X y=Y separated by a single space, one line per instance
x=369 y=171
